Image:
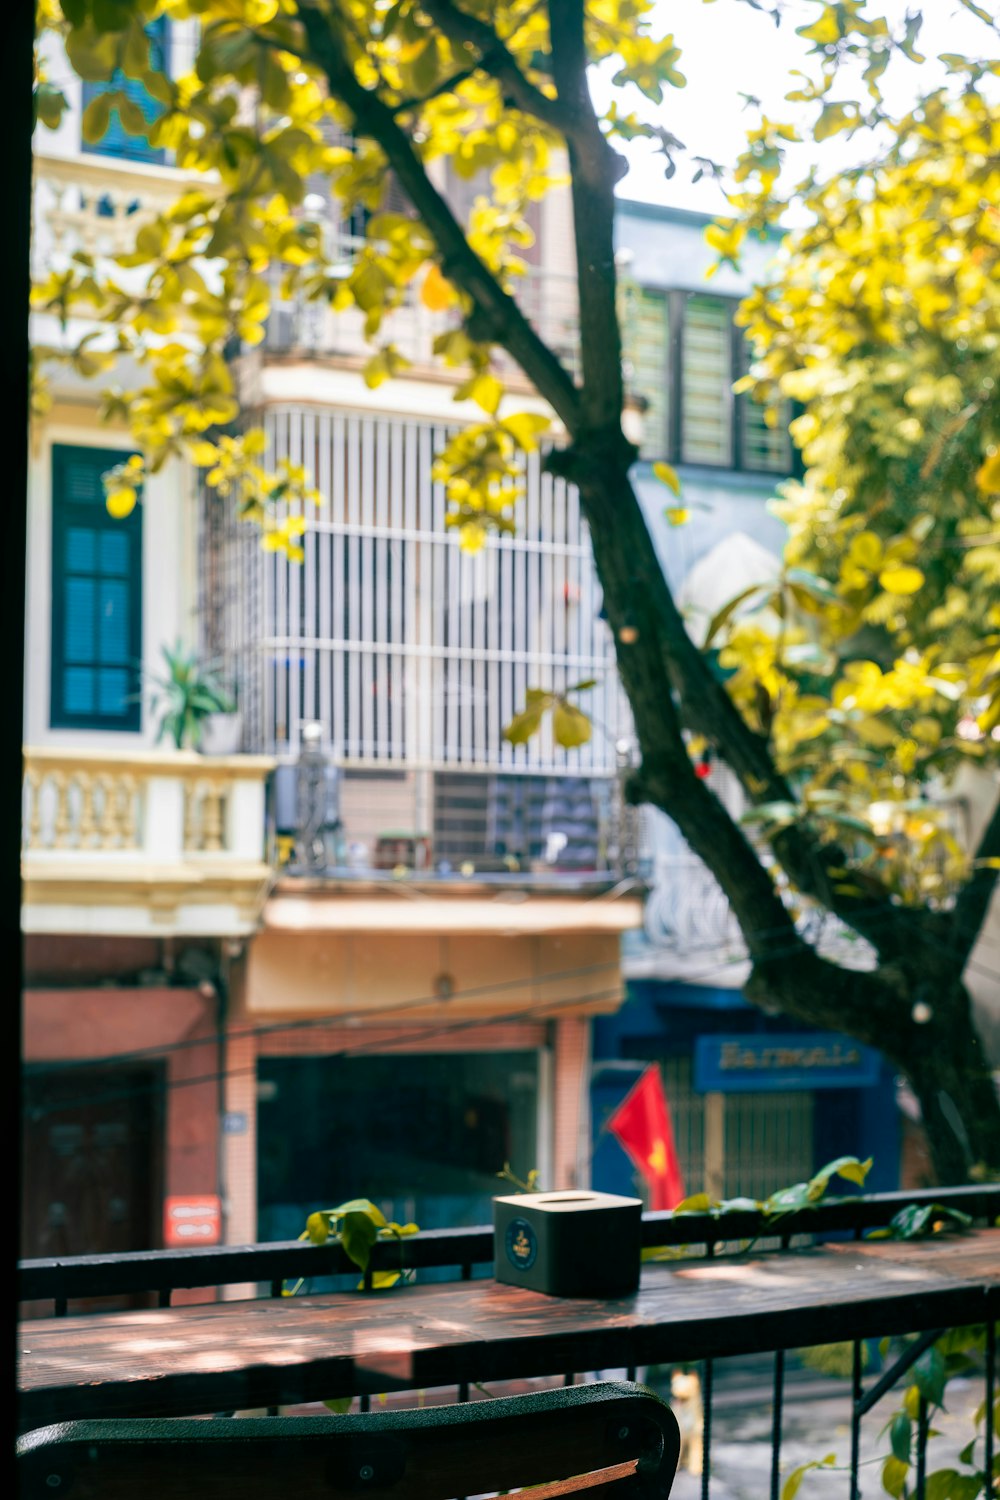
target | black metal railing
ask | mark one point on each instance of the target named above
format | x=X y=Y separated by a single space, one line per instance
x=464 y=1250
x=164 y=1271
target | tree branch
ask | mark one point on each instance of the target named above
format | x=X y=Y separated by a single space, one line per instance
x=973 y=901
x=706 y=707
x=593 y=417
x=444 y=87
x=496 y=59
x=594 y=170
x=500 y=318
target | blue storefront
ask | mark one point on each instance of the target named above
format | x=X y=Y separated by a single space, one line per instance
x=757 y=1101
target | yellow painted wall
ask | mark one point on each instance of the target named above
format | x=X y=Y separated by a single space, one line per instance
x=491 y=975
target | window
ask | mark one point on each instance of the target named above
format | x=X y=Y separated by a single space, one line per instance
x=685 y=352
x=441 y=1127
x=116 y=141
x=96 y=597
x=706 y=378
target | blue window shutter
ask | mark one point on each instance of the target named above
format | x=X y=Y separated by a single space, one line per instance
x=96 y=597
x=115 y=141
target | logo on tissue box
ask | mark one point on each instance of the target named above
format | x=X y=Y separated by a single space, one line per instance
x=522 y=1244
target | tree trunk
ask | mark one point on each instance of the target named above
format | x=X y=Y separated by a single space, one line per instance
x=947 y=1066
x=938 y=1049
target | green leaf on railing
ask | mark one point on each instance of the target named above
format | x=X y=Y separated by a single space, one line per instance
x=383 y=1279
x=894 y=1473
x=901 y=1436
x=361 y=1206
x=318 y=1228
x=340 y=1405
x=358 y=1233
x=698 y=1203
x=834 y=1359
x=848 y=1167
x=921 y=1221
x=790 y=1488
x=930 y=1375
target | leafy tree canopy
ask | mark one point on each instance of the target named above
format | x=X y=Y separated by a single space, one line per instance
x=871 y=671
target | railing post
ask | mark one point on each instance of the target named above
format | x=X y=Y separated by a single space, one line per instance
x=706 y=1426
x=163 y=834
x=989 y=1429
x=923 y=1424
x=856 y=1367
x=779 y=1394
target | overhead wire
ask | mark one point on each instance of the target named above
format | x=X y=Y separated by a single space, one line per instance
x=381 y=1045
x=376 y=1014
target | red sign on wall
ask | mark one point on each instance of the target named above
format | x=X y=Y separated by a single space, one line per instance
x=192 y=1221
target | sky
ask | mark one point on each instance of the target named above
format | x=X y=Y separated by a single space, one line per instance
x=729 y=48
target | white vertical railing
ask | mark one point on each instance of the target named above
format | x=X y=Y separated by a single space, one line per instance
x=407 y=649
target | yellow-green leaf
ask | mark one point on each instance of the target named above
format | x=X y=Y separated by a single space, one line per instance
x=121 y=502
x=988 y=474
x=487 y=392
x=668 y=476
x=96 y=118
x=901 y=578
x=894 y=1473
x=570 y=725
x=436 y=292
x=318 y=1228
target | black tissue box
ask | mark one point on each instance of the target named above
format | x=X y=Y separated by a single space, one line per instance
x=569 y=1244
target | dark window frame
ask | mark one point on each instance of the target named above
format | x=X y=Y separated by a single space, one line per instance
x=676 y=303
x=65 y=513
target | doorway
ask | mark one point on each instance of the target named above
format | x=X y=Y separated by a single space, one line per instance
x=93 y=1162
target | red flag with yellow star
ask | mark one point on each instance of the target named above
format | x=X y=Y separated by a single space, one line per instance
x=641 y=1123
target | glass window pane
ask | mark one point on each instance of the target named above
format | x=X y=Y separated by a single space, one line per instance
x=96 y=596
x=79 y=641
x=706 y=431
x=112 y=691
x=766 y=449
x=78 y=690
x=430 y=1152
x=113 y=626
x=647 y=345
x=81 y=550
x=113 y=553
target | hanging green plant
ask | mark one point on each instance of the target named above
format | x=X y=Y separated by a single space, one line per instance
x=358 y=1225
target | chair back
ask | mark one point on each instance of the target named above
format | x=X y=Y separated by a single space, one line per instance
x=609 y=1435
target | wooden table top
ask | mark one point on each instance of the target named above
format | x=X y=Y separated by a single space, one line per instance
x=284 y=1351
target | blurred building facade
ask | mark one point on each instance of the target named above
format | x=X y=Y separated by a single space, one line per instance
x=356 y=949
x=737 y=1134
x=366 y=946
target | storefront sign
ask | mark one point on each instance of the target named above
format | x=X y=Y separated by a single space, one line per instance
x=765 y=1064
x=192 y=1221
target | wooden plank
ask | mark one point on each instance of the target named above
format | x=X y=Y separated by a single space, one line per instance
x=220 y=1356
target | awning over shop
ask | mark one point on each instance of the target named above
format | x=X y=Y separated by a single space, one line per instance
x=410 y=912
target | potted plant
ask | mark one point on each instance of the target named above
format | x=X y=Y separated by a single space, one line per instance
x=195 y=708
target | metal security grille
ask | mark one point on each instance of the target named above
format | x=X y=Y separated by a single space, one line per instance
x=768 y=1137
x=405 y=648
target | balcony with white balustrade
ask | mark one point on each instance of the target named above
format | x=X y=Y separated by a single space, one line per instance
x=143 y=843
